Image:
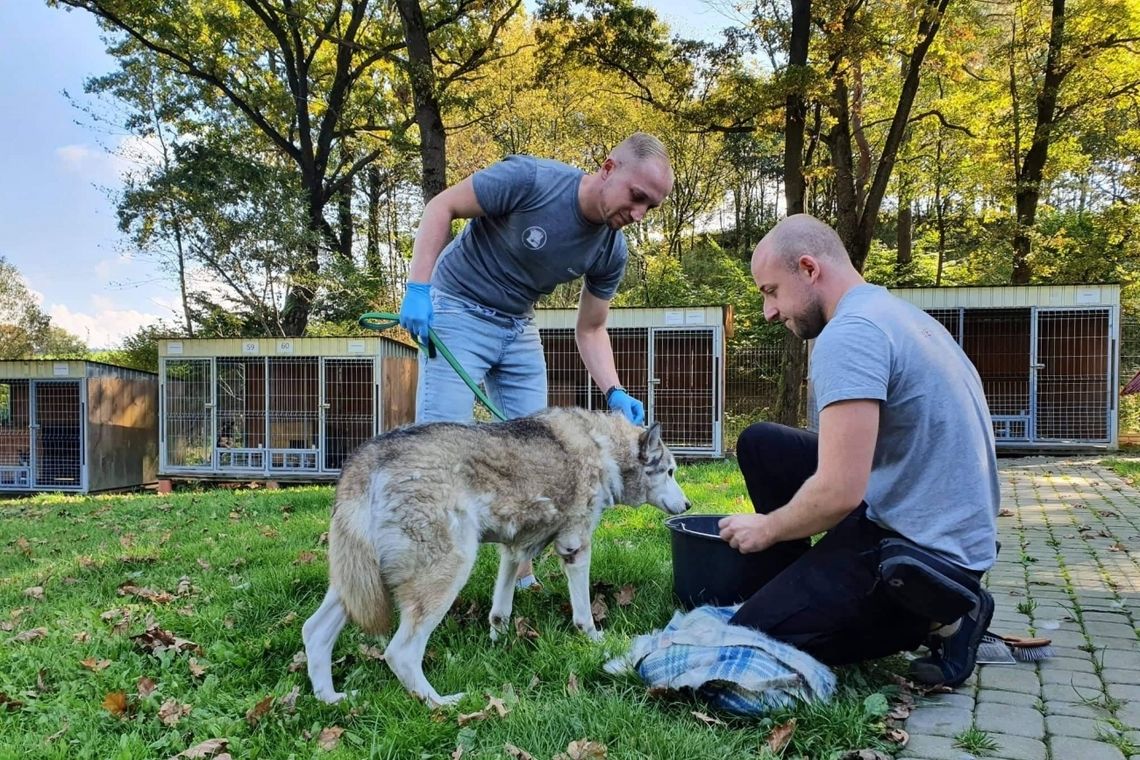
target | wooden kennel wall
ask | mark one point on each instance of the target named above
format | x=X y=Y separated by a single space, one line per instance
x=77 y=426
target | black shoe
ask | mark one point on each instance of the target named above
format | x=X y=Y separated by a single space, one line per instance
x=952 y=658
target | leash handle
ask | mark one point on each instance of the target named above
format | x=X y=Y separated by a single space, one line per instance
x=383 y=320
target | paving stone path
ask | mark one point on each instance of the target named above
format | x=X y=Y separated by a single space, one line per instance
x=1069 y=569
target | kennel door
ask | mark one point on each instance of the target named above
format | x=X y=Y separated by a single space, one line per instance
x=186 y=422
x=57 y=435
x=15 y=436
x=684 y=371
x=1073 y=365
x=348 y=409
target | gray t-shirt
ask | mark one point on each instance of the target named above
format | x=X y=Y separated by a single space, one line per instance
x=532 y=238
x=934 y=475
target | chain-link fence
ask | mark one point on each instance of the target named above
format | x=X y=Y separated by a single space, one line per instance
x=753 y=376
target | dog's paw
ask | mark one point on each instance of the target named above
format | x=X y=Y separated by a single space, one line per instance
x=592 y=633
x=330 y=697
x=448 y=701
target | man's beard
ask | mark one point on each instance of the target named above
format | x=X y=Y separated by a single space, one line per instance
x=809 y=323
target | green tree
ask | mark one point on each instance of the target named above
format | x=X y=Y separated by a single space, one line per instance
x=25 y=330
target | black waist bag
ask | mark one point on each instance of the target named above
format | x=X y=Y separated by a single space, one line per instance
x=924 y=583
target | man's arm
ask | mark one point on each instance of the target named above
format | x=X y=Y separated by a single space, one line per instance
x=456 y=202
x=848 y=431
x=594 y=340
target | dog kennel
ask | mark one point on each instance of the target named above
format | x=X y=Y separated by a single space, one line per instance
x=670 y=359
x=76 y=426
x=1048 y=356
x=278 y=408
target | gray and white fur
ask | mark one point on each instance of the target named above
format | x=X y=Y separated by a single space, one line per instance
x=413 y=505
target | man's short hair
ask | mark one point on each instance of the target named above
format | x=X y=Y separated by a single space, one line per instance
x=803 y=234
x=642 y=145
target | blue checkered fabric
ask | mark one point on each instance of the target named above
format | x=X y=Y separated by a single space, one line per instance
x=735 y=669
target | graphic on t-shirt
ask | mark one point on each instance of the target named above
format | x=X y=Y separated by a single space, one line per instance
x=534 y=238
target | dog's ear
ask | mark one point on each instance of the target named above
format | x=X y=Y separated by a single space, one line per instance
x=650 y=439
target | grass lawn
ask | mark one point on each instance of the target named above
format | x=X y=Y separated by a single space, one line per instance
x=223 y=579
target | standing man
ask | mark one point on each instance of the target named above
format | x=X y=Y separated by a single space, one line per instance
x=905 y=452
x=535 y=223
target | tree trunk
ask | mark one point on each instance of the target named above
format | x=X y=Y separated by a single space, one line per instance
x=792 y=361
x=1033 y=167
x=372 y=244
x=433 y=140
x=905 y=252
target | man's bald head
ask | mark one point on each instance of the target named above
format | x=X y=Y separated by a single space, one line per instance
x=801 y=235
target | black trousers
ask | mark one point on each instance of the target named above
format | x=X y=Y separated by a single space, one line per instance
x=823 y=599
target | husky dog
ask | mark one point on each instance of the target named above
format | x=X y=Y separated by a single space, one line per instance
x=413 y=505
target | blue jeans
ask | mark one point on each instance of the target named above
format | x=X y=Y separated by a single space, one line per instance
x=504 y=353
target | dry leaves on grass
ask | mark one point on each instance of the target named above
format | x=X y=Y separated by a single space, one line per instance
x=371 y=652
x=516 y=753
x=624 y=596
x=598 y=608
x=707 y=719
x=305 y=558
x=32 y=634
x=583 y=749
x=23 y=546
x=572 y=685
x=524 y=630
x=95 y=665
x=116 y=703
x=34 y=592
x=289 y=702
x=173 y=711
x=8 y=703
x=898 y=736
x=208 y=748
x=119 y=619
x=780 y=736
x=259 y=711
x=329 y=738
x=495 y=706
x=156 y=640
x=145 y=687
x=299 y=662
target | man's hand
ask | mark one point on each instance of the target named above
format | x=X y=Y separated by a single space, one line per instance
x=416 y=311
x=747 y=533
x=621 y=401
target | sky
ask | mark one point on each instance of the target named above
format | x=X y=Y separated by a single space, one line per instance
x=57 y=219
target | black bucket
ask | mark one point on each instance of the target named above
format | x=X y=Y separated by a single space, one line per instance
x=706 y=570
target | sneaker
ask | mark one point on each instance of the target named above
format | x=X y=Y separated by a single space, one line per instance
x=952 y=658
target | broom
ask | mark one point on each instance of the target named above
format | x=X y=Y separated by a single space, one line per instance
x=998 y=649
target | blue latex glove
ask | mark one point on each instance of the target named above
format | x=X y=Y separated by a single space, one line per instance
x=416 y=311
x=621 y=401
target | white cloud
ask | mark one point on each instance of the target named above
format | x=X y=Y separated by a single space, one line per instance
x=104 y=326
x=79 y=158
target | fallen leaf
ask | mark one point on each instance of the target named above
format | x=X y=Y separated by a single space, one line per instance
x=127 y=540
x=599 y=609
x=115 y=703
x=145 y=686
x=329 y=737
x=41 y=682
x=63 y=730
x=524 y=630
x=864 y=754
x=299 y=662
x=780 y=736
x=259 y=711
x=472 y=717
x=142 y=592
x=516 y=753
x=82 y=637
x=156 y=640
x=207 y=748
x=1005 y=512
x=94 y=665
x=583 y=750
x=269 y=532
x=496 y=704
x=8 y=703
x=203 y=563
x=323 y=538
x=32 y=634
x=289 y=701
x=708 y=719
x=173 y=711
x=119 y=618
x=572 y=685
x=899 y=712
x=184 y=586
x=1117 y=547
x=898 y=736
x=371 y=652
x=23 y=546
x=305 y=558
x=197 y=669
x=34 y=592
x=624 y=596
x=458 y=753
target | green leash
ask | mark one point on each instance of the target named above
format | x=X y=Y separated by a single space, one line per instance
x=382 y=320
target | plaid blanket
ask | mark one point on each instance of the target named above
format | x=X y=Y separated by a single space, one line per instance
x=734 y=668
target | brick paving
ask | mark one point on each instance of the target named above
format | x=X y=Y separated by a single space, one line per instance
x=1069 y=569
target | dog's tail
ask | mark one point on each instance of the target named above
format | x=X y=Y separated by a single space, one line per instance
x=354 y=571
